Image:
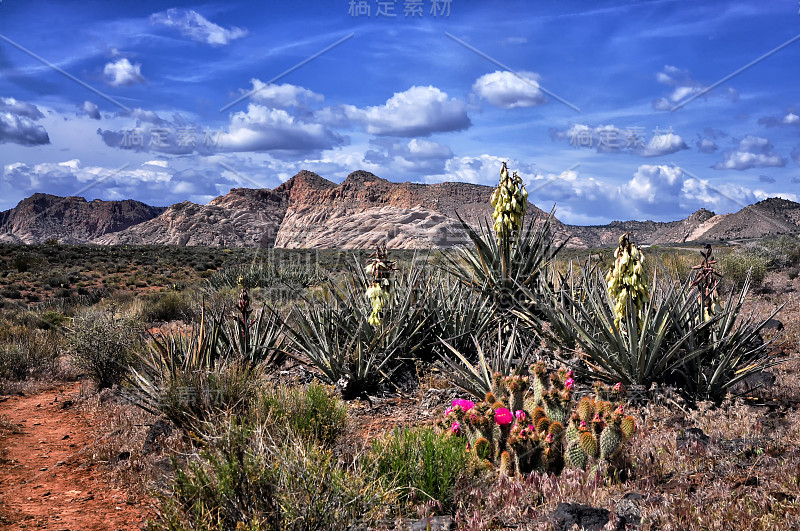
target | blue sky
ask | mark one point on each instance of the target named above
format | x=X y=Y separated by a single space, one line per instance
x=602 y=107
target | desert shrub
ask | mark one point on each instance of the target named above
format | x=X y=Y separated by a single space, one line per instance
x=736 y=265
x=167 y=306
x=265 y=275
x=314 y=492
x=314 y=413
x=421 y=463
x=678 y=263
x=102 y=343
x=227 y=487
x=248 y=478
x=20 y=359
x=780 y=252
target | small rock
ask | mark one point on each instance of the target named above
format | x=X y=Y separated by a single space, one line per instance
x=692 y=438
x=772 y=324
x=66 y=404
x=759 y=380
x=161 y=427
x=65 y=437
x=585 y=517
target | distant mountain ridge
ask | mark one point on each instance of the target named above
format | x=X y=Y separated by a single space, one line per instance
x=308 y=211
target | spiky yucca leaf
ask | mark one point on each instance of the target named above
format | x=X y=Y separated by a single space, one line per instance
x=735 y=350
x=333 y=333
x=505 y=356
x=263 y=343
x=496 y=267
x=643 y=350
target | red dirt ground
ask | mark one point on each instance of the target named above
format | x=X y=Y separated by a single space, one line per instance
x=48 y=479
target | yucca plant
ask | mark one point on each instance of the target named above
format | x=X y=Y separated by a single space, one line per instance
x=335 y=335
x=504 y=356
x=508 y=256
x=257 y=341
x=193 y=379
x=643 y=349
x=733 y=351
x=458 y=315
x=496 y=269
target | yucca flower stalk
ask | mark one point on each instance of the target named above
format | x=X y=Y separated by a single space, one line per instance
x=379 y=291
x=510 y=202
x=706 y=281
x=626 y=280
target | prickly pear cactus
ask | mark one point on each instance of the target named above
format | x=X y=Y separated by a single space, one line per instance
x=531 y=424
x=626 y=281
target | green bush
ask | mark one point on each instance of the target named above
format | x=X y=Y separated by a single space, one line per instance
x=225 y=488
x=103 y=343
x=253 y=479
x=167 y=306
x=422 y=463
x=314 y=413
x=736 y=265
x=780 y=252
x=26 y=351
x=314 y=492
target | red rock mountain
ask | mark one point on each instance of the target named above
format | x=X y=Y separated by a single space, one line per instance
x=362 y=212
x=41 y=217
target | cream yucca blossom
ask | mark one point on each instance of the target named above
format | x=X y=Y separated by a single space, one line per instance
x=510 y=202
x=626 y=279
x=380 y=269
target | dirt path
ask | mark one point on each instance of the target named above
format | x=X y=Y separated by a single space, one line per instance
x=47 y=478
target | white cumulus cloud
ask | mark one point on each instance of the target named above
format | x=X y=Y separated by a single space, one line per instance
x=122 y=73
x=418 y=111
x=282 y=96
x=89 y=109
x=752 y=151
x=265 y=129
x=507 y=90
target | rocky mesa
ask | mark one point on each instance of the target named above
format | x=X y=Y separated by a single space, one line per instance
x=308 y=211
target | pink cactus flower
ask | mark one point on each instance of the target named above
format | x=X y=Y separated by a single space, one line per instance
x=620 y=410
x=583 y=424
x=503 y=416
x=568 y=383
x=597 y=418
x=455 y=428
x=570 y=373
x=519 y=414
x=617 y=387
x=448 y=411
x=549 y=438
x=466 y=405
